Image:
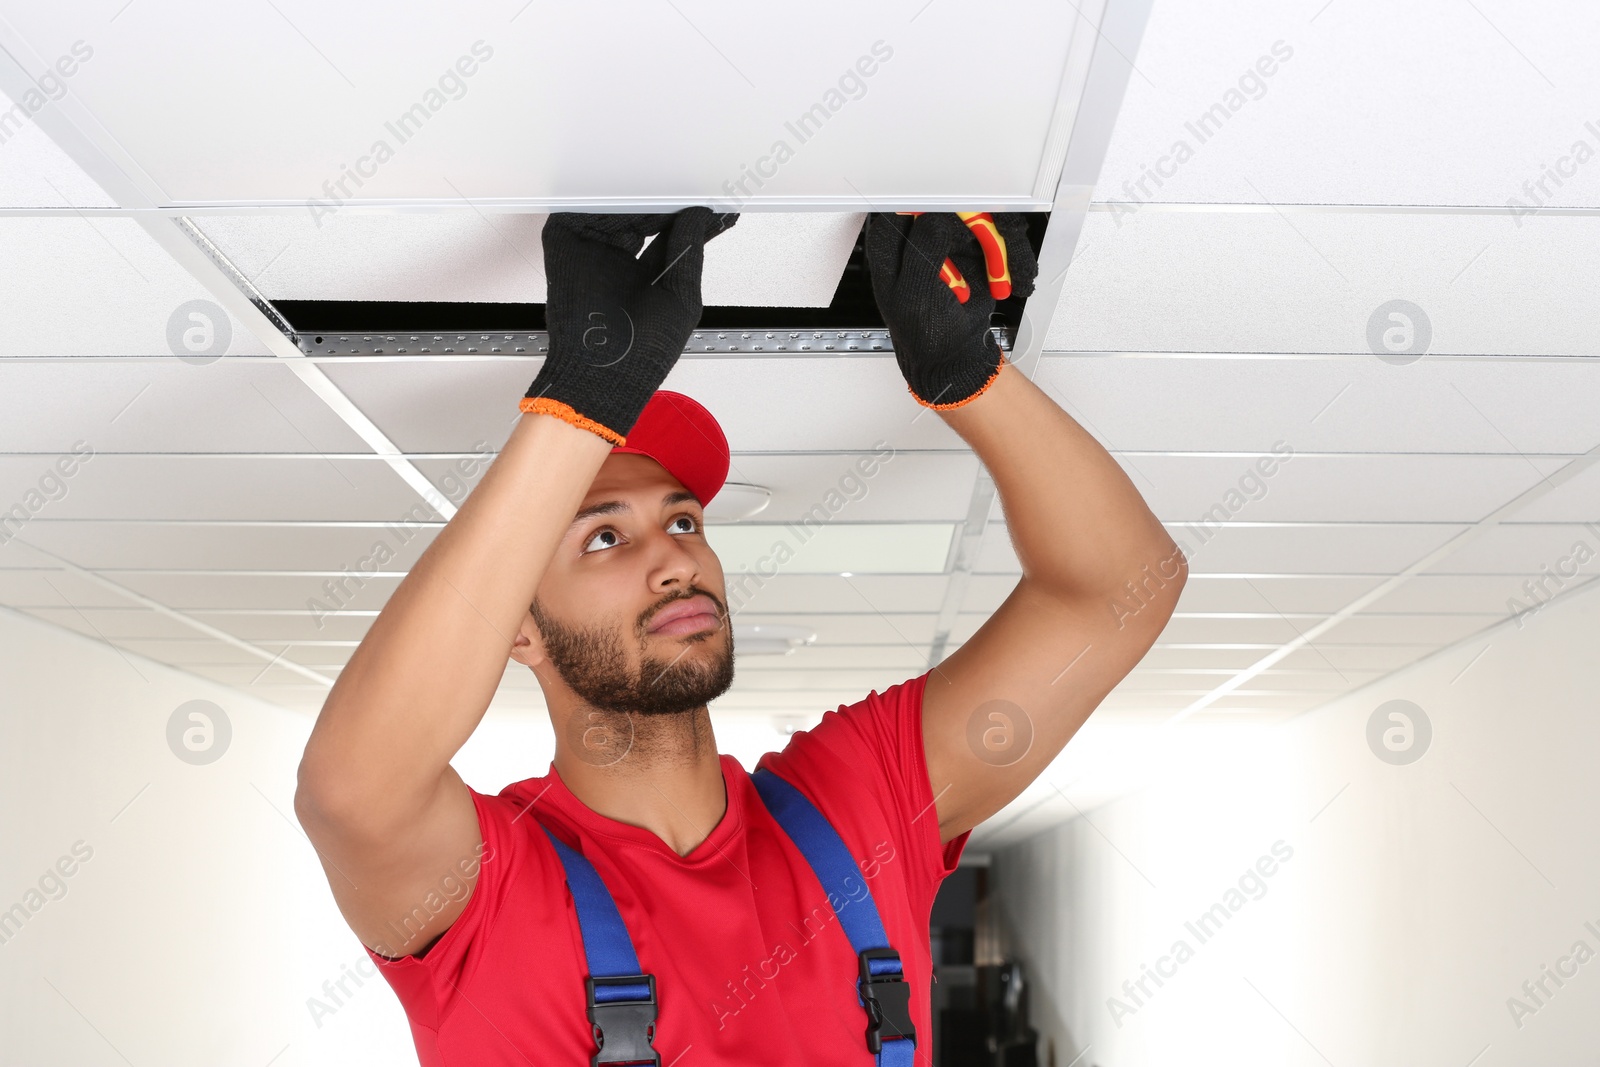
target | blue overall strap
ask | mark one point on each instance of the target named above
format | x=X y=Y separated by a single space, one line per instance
x=622 y=1000
x=880 y=985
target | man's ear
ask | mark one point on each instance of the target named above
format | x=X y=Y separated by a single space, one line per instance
x=528 y=648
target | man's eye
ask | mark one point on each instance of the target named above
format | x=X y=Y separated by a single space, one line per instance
x=605 y=532
x=693 y=522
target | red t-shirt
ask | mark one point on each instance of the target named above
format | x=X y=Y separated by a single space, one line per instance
x=751 y=964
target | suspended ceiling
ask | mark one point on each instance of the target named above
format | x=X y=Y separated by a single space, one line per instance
x=1196 y=329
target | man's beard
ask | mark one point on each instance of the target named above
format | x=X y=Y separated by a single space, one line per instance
x=593 y=663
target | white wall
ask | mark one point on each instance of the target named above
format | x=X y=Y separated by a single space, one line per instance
x=1417 y=900
x=200 y=927
x=200 y=924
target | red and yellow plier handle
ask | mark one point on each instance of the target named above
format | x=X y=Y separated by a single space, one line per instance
x=981 y=223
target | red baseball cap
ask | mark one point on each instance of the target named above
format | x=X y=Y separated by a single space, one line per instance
x=680 y=434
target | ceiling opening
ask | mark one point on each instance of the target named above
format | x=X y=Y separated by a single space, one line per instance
x=852 y=308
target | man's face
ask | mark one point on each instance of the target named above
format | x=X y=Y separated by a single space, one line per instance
x=600 y=607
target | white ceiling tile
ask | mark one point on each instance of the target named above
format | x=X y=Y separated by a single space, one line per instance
x=780 y=594
x=1275 y=703
x=868 y=592
x=1409 y=629
x=314 y=595
x=903 y=656
x=1523 y=551
x=113 y=623
x=257 y=679
x=1577 y=500
x=1275 y=630
x=765 y=260
x=863 y=627
x=1375 y=549
x=772 y=403
x=1326 y=680
x=439 y=406
x=780 y=260
x=1329 y=405
x=1431 y=102
x=141 y=406
x=532 y=120
x=229 y=547
x=1272 y=629
x=456 y=257
x=1209 y=658
x=820 y=687
x=1385 y=657
x=33 y=171
x=1144 y=679
x=1320 y=593
x=114 y=486
x=830 y=548
x=196 y=651
x=53 y=589
x=857 y=680
x=1195 y=490
x=856 y=403
x=785 y=700
x=289 y=626
x=306 y=699
x=1451 y=593
x=76 y=286
x=1310 y=283
x=902 y=486
x=328 y=658
x=1165 y=702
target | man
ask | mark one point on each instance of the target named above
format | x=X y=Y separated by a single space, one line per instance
x=582 y=555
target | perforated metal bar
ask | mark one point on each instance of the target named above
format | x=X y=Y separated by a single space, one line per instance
x=710 y=342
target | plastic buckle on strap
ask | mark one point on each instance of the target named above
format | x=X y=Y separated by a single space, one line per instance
x=887 y=998
x=623 y=1027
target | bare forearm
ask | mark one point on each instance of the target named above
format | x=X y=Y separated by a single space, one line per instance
x=420 y=681
x=1079 y=526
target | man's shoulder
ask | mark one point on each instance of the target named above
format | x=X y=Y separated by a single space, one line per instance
x=516 y=806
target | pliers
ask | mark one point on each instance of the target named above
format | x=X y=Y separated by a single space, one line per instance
x=996 y=266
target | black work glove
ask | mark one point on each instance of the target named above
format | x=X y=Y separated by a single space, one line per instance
x=943 y=346
x=617 y=323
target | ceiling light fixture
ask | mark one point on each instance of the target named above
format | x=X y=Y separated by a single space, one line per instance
x=771 y=639
x=736 y=501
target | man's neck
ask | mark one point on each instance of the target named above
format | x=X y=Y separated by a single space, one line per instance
x=669 y=781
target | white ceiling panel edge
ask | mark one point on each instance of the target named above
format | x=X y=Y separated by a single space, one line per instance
x=78 y=134
x=1104 y=85
x=73 y=124
x=74 y=130
x=1511 y=507
x=156 y=606
x=1107 y=55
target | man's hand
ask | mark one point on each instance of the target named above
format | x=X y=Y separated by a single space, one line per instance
x=942 y=343
x=618 y=320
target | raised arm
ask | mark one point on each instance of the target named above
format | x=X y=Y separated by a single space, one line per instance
x=389 y=817
x=1100 y=575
